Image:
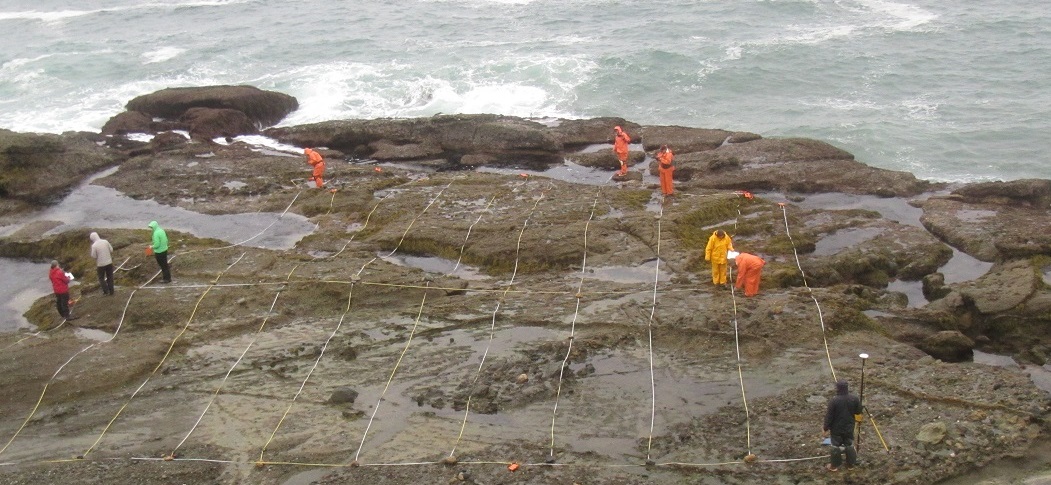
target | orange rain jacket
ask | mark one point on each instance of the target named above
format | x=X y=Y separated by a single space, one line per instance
x=749 y=268
x=620 y=144
x=665 y=169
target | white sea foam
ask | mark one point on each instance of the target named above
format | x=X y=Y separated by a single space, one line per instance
x=264 y=142
x=530 y=86
x=66 y=108
x=162 y=54
x=903 y=16
x=920 y=108
x=60 y=15
x=14 y=64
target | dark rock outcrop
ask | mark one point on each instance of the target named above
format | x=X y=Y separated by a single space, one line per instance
x=510 y=139
x=206 y=112
x=209 y=123
x=128 y=122
x=1031 y=192
x=40 y=169
x=264 y=108
x=795 y=165
x=949 y=346
x=990 y=227
x=576 y=134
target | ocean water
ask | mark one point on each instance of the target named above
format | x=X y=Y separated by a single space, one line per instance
x=951 y=91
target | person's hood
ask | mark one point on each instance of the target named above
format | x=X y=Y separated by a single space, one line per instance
x=94 y=236
x=153 y=225
x=841 y=387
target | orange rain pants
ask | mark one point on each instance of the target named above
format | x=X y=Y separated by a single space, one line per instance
x=314 y=159
x=665 y=169
x=749 y=268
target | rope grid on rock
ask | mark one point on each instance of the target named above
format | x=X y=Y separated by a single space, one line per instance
x=810 y=291
x=504 y=292
x=492 y=326
x=572 y=329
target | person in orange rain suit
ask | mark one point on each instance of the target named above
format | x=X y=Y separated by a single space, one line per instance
x=665 y=170
x=314 y=159
x=749 y=267
x=718 y=244
x=620 y=148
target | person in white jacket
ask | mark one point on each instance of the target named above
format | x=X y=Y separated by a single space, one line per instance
x=102 y=251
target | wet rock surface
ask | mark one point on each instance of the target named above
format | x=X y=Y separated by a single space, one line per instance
x=335 y=352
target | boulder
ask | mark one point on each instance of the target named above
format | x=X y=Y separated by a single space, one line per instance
x=262 y=108
x=949 y=346
x=934 y=286
x=167 y=141
x=605 y=158
x=43 y=168
x=210 y=123
x=990 y=227
x=682 y=139
x=932 y=433
x=795 y=165
x=128 y=122
x=343 y=395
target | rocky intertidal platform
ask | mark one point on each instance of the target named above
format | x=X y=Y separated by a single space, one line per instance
x=456 y=274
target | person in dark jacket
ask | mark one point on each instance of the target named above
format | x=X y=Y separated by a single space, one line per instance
x=843 y=411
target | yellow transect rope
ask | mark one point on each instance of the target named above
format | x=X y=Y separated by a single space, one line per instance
x=350 y=296
x=572 y=330
x=390 y=379
x=492 y=326
x=234 y=366
x=810 y=291
x=163 y=359
x=649 y=332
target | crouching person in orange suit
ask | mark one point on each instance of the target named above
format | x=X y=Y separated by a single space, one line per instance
x=315 y=160
x=749 y=268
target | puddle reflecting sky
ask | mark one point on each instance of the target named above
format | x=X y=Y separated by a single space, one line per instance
x=432 y=264
x=96 y=208
x=912 y=289
x=21 y=283
x=573 y=173
x=895 y=209
x=963 y=267
x=643 y=273
x=843 y=239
